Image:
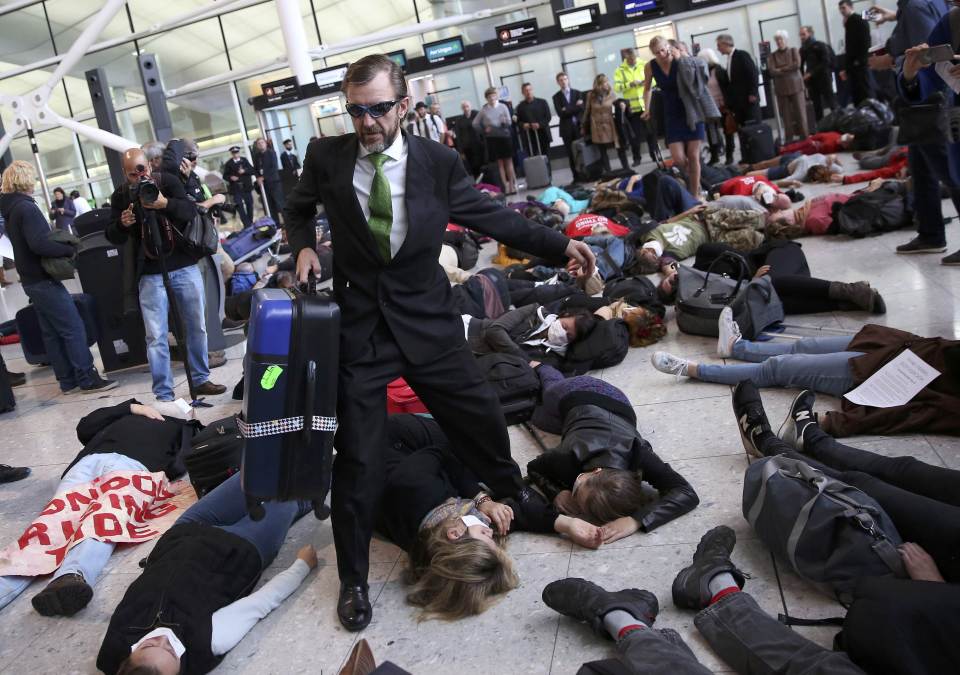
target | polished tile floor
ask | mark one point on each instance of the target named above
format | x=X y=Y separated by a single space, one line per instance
x=689 y=424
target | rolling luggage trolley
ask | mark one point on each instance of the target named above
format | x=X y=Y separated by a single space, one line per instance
x=289 y=399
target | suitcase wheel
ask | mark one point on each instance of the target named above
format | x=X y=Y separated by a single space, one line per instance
x=255 y=509
x=321 y=510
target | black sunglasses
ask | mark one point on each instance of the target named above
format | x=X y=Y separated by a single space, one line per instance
x=376 y=110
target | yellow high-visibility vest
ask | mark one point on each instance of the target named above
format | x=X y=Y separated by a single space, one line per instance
x=622 y=79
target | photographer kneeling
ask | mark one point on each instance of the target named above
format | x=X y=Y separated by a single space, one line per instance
x=161 y=197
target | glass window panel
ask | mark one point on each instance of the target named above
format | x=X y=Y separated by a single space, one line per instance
x=135 y=124
x=59 y=158
x=253 y=35
x=344 y=19
x=123 y=77
x=188 y=54
x=208 y=117
x=68 y=18
x=25 y=38
x=703 y=29
x=580 y=64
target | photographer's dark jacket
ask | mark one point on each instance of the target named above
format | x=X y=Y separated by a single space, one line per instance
x=180 y=210
x=29 y=234
x=594 y=437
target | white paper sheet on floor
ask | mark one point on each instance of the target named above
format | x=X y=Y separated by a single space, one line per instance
x=894 y=384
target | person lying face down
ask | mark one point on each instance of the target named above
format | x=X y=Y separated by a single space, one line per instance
x=435 y=509
x=192 y=603
x=125 y=437
x=598 y=470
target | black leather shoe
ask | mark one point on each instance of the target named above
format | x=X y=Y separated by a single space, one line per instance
x=691 y=586
x=584 y=600
x=353 y=607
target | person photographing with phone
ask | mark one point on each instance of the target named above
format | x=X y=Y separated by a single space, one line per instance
x=389 y=196
x=147 y=198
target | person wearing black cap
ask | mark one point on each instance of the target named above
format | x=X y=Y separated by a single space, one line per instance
x=289 y=166
x=427 y=124
x=238 y=173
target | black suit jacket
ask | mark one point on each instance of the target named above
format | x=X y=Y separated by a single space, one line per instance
x=410 y=292
x=289 y=161
x=266 y=166
x=742 y=81
x=856 y=38
x=569 y=127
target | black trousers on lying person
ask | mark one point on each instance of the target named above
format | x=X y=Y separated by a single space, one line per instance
x=747 y=638
x=458 y=396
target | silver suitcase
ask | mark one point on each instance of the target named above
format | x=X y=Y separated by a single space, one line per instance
x=536 y=168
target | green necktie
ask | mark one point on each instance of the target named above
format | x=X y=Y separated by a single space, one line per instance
x=381 y=207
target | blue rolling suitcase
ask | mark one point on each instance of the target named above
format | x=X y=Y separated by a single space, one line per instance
x=251 y=242
x=289 y=399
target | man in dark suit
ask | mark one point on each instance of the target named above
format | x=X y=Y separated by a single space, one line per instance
x=267 y=169
x=533 y=117
x=856 y=39
x=468 y=141
x=289 y=166
x=238 y=172
x=389 y=196
x=742 y=94
x=816 y=64
x=569 y=106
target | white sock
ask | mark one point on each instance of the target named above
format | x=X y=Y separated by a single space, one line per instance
x=720 y=582
x=616 y=620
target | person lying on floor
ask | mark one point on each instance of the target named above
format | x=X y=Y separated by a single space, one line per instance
x=795 y=169
x=894 y=167
x=528 y=326
x=786 y=265
x=434 y=508
x=193 y=603
x=602 y=461
x=126 y=437
x=825 y=142
x=746 y=637
x=922 y=500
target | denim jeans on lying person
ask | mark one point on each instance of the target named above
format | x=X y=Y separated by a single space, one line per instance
x=89 y=557
x=187 y=284
x=64 y=335
x=817 y=363
x=226 y=507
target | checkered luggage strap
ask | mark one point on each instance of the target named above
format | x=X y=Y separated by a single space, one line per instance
x=286 y=425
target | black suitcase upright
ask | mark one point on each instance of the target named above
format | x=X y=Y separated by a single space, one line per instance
x=31 y=336
x=756 y=143
x=289 y=399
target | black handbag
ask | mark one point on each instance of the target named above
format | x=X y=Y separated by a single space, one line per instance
x=926 y=123
x=200 y=237
x=702 y=295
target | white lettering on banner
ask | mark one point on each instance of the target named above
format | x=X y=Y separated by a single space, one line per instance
x=119 y=507
x=679 y=235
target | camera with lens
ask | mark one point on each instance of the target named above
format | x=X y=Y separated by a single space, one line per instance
x=145 y=190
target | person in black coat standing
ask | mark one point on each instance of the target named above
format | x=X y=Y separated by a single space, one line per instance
x=816 y=64
x=742 y=94
x=238 y=172
x=569 y=106
x=533 y=118
x=468 y=142
x=289 y=166
x=856 y=38
x=389 y=196
x=267 y=169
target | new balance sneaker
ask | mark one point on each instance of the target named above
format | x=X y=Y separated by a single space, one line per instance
x=728 y=333
x=669 y=364
x=751 y=418
x=920 y=245
x=799 y=417
x=691 y=587
x=585 y=601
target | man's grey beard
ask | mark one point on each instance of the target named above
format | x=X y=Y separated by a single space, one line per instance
x=385 y=143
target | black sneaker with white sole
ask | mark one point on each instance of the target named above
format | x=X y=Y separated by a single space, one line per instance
x=920 y=245
x=98 y=383
x=751 y=418
x=799 y=417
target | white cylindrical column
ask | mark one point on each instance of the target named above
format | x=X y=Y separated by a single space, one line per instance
x=295 y=38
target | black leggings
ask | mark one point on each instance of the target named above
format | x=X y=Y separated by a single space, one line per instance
x=922 y=500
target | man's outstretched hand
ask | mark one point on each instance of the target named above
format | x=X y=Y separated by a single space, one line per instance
x=582 y=261
x=307 y=261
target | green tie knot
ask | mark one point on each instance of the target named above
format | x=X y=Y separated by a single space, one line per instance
x=378 y=159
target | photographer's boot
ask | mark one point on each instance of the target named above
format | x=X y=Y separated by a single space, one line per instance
x=208 y=388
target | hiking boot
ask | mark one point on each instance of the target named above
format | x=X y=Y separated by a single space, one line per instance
x=97 y=383
x=952 y=259
x=712 y=557
x=751 y=418
x=728 y=333
x=920 y=245
x=799 y=417
x=64 y=596
x=208 y=388
x=11 y=474
x=585 y=601
x=669 y=364
x=857 y=295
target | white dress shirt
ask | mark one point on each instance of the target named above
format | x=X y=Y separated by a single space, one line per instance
x=395 y=169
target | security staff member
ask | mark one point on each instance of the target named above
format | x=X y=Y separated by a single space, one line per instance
x=238 y=172
x=628 y=82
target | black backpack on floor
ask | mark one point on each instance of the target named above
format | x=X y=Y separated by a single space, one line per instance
x=516 y=384
x=215 y=455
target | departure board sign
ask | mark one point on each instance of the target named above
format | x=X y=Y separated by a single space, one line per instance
x=517 y=34
x=399 y=57
x=635 y=10
x=330 y=79
x=281 y=91
x=444 y=51
x=579 y=19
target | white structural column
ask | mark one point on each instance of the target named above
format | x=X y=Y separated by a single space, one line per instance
x=291 y=25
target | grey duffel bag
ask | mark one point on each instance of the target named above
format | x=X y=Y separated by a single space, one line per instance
x=829 y=532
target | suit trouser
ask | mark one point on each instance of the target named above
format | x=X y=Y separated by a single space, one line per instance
x=457 y=394
x=276 y=200
x=859 y=80
x=747 y=638
x=929 y=168
x=568 y=146
x=641 y=130
x=821 y=93
x=243 y=200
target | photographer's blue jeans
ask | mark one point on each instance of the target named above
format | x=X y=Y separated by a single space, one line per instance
x=64 y=335
x=187 y=284
x=818 y=363
x=89 y=557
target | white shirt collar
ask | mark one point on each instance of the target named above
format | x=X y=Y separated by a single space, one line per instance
x=394 y=152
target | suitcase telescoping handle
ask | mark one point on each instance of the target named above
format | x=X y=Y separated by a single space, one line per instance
x=530 y=143
x=309 y=398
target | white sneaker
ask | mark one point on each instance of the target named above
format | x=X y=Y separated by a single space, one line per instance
x=728 y=333
x=669 y=364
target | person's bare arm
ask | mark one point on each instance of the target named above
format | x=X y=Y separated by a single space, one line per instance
x=647 y=91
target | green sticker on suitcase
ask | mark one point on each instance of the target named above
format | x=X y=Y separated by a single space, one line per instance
x=270 y=377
